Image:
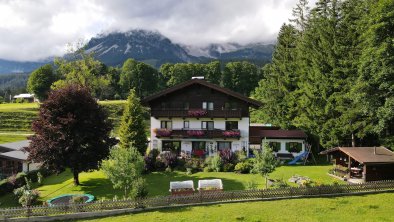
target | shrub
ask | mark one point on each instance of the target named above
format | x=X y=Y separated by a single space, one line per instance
x=139 y=189
x=243 y=167
x=227 y=156
x=26 y=196
x=240 y=156
x=189 y=171
x=169 y=159
x=207 y=169
x=215 y=163
x=228 y=167
x=196 y=164
x=251 y=185
x=150 y=160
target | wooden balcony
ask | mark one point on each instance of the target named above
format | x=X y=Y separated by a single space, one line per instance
x=197 y=133
x=169 y=113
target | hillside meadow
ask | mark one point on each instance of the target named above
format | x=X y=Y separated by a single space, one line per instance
x=16 y=118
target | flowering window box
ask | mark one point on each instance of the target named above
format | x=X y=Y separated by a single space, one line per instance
x=163 y=132
x=197 y=113
x=195 y=133
x=231 y=133
x=199 y=153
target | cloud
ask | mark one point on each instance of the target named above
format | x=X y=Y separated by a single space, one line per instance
x=33 y=30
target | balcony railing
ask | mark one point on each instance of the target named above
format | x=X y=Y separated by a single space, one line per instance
x=198 y=113
x=197 y=133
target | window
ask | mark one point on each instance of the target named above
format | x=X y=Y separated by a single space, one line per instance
x=166 y=124
x=186 y=106
x=294 y=147
x=207 y=105
x=275 y=146
x=224 y=145
x=230 y=106
x=186 y=124
x=231 y=125
x=174 y=146
x=207 y=125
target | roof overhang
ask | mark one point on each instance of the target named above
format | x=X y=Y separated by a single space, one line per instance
x=253 y=103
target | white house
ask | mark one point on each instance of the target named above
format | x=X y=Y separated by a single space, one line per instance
x=199 y=118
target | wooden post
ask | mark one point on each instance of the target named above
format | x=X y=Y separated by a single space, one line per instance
x=349 y=165
x=365 y=173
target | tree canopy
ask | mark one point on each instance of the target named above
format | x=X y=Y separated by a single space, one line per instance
x=72 y=131
x=40 y=81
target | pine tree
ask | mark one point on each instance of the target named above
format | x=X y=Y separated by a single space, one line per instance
x=375 y=85
x=132 y=127
x=276 y=89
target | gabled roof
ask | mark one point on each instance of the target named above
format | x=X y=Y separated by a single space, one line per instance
x=14 y=145
x=239 y=96
x=366 y=154
x=15 y=155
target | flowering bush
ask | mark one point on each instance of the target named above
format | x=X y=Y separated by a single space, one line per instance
x=197 y=113
x=227 y=156
x=162 y=132
x=169 y=159
x=199 y=153
x=195 y=133
x=231 y=133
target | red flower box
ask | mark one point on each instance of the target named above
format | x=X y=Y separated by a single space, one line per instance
x=197 y=113
x=163 y=132
x=231 y=133
x=196 y=133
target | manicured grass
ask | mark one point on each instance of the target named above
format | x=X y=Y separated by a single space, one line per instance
x=11 y=137
x=97 y=184
x=376 y=207
x=12 y=107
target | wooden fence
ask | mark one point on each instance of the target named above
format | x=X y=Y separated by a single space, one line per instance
x=198 y=198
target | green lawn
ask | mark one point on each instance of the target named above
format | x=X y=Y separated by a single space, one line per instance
x=376 y=207
x=96 y=184
x=11 y=137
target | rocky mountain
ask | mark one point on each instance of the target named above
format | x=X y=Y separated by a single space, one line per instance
x=155 y=49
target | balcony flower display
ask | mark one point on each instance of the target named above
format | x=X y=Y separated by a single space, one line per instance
x=195 y=133
x=231 y=133
x=197 y=112
x=162 y=132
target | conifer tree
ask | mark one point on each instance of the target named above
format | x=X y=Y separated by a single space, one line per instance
x=132 y=127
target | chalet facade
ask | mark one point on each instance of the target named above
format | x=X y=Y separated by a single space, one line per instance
x=200 y=118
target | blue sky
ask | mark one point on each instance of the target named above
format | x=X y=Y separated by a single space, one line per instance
x=36 y=29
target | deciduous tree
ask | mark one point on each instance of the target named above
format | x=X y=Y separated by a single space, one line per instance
x=72 y=131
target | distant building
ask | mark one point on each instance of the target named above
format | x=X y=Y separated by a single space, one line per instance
x=13 y=160
x=26 y=96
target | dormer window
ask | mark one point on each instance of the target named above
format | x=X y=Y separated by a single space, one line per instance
x=207 y=105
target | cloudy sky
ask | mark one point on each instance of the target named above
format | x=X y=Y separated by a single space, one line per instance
x=35 y=29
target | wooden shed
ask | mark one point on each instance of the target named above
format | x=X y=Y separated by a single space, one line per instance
x=366 y=163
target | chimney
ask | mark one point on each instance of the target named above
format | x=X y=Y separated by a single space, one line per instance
x=374 y=150
x=198 y=77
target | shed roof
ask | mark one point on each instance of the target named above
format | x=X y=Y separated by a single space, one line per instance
x=16 y=155
x=14 y=145
x=252 y=102
x=366 y=154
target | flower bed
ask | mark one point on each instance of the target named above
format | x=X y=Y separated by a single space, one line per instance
x=197 y=113
x=232 y=133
